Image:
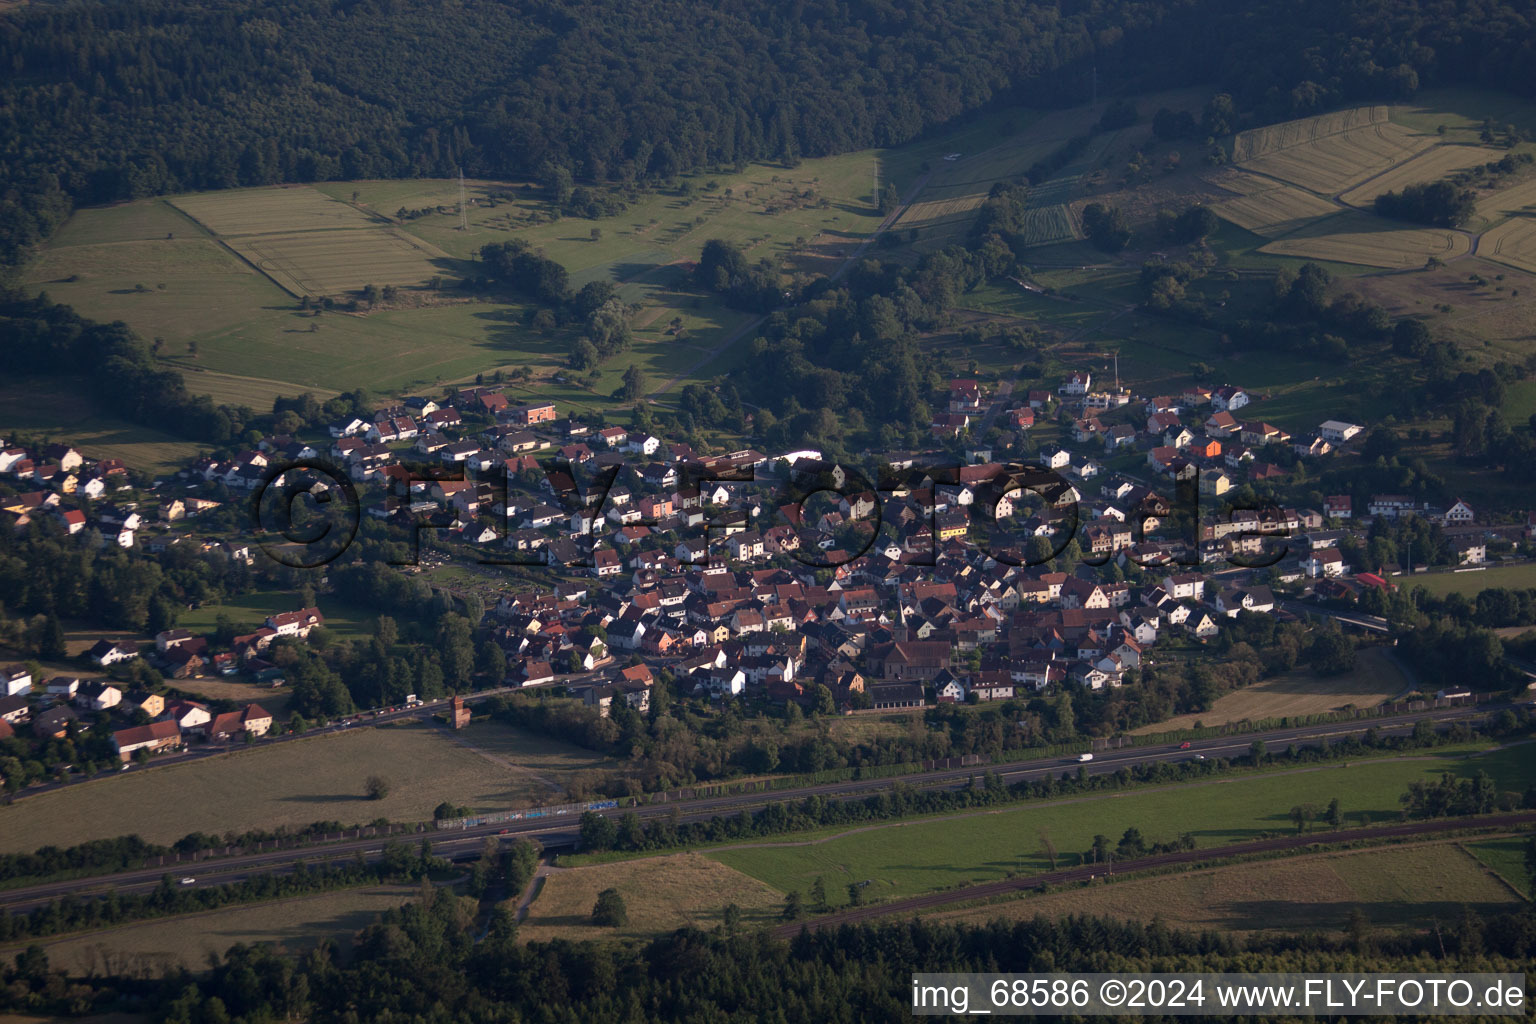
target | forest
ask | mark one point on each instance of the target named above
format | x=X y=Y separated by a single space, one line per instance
x=423 y=962
x=104 y=102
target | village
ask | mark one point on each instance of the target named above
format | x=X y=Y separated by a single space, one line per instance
x=980 y=571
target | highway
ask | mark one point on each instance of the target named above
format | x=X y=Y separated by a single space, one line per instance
x=465 y=843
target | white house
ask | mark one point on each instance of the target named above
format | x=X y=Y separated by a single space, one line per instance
x=1077 y=384
x=1337 y=431
x=16 y=679
x=1229 y=398
x=1327 y=562
x=1459 y=514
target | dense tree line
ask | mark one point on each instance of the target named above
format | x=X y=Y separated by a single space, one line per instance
x=1442 y=204
x=108 y=102
x=431 y=960
x=168 y=898
x=114 y=365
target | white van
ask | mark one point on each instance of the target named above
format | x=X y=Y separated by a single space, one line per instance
x=1085 y=757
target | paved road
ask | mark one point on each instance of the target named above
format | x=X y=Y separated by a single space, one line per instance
x=562 y=832
x=1088 y=872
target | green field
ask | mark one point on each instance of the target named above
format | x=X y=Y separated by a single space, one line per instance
x=488 y=767
x=1506 y=856
x=1470 y=583
x=908 y=858
x=345 y=622
x=48 y=408
x=1409 y=886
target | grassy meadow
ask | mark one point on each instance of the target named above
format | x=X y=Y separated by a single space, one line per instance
x=906 y=858
x=661 y=894
x=488 y=767
x=151 y=948
x=1399 y=887
x=1375 y=678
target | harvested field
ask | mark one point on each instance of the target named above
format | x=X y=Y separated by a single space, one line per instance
x=1267 y=207
x=295 y=925
x=266 y=210
x=1259 y=142
x=1370 y=241
x=660 y=894
x=1507 y=202
x=1512 y=242
x=328 y=262
x=1399 y=887
x=1431 y=166
x=302 y=781
x=1330 y=153
x=1376 y=678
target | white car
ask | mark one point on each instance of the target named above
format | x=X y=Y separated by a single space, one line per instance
x=188 y=880
x=1084 y=757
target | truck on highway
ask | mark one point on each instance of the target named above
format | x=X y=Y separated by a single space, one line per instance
x=1084 y=757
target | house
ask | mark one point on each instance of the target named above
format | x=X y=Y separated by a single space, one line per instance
x=1201 y=625
x=1327 y=562
x=1076 y=385
x=72 y=518
x=297 y=623
x=1471 y=552
x=909 y=659
x=886 y=696
x=153 y=738
x=528 y=415
x=1459 y=514
x=15 y=679
x=53 y=724
x=14 y=709
x=1337 y=431
x=1222 y=424
x=189 y=715
x=1392 y=506
x=99 y=696
x=1338 y=506
x=110 y=652
x=1228 y=398
x=1215 y=484
x=63 y=686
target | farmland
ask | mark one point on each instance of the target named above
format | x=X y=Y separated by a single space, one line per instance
x=49 y=408
x=1469 y=583
x=1398 y=887
x=660 y=894
x=1506 y=857
x=1267 y=207
x=488 y=766
x=1370 y=241
x=295 y=925
x=912 y=857
x=1512 y=242
x=1258 y=142
x=1375 y=678
x=1429 y=166
x=1330 y=153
